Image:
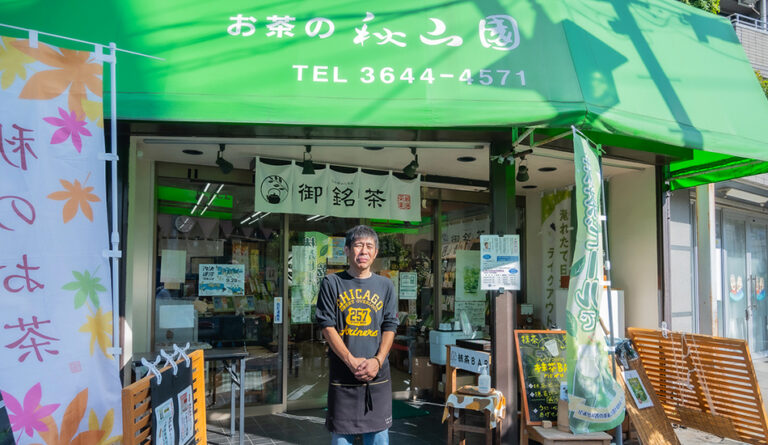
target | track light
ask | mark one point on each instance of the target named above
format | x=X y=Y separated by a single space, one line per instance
x=306 y=165
x=410 y=169
x=223 y=164
x=522 y=171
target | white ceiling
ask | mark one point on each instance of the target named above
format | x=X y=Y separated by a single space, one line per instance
x=434 y=158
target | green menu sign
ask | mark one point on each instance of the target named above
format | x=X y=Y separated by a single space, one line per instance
x=541 y=361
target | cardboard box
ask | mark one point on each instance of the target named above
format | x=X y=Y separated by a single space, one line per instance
x=422 y=373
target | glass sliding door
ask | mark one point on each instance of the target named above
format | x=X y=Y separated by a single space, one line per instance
x=757 y=309
x=218 y=273
x=735 y=275
x=315 y=248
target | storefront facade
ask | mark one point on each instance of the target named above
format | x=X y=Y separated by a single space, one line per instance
x=357 y=89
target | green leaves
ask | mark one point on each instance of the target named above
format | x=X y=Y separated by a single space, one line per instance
x=86 y=286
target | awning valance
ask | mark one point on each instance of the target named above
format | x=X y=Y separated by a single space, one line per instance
x=654 y=75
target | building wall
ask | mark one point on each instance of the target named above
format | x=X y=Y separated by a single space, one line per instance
x=533 y=266
x=755 y=43
x=682 y=262
x=139 y=250
x=632 y=242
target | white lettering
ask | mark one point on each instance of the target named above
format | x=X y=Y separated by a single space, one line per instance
x=299 y=70
x=318 y=71
x=336 y=77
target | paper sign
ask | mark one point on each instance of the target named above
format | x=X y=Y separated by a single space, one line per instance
x=408 y=285
x=186 y=416
x=164 y=415
x=468 y=276
x=173 y=266
x=637 y=389
x=222 y=279
x=469 y=359
x=500 y=262
x=278 y=310
x=475 y=311
x=338 y=257
x=176 y=316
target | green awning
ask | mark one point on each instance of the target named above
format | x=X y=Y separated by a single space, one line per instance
x=652 y=75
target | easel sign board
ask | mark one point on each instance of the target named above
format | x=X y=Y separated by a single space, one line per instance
x=541 y=362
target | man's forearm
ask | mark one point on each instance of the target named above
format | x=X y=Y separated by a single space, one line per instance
x=338 y=347
x=387 y=337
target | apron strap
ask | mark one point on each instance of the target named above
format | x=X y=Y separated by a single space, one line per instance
x=368 y=399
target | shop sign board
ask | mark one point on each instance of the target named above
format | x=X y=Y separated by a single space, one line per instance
x=500 y=262
x=221 y=279
x=56 y=354
x=469 y=359
x=285 y=189
x=542 y=365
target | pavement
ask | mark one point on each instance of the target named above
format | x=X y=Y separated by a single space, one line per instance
x=302 y=427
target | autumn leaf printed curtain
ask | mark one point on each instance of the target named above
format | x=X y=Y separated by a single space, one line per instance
x=58 y=379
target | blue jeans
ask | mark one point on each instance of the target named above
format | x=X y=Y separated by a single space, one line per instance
x=378 y=438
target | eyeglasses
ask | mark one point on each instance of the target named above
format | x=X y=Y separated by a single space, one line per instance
x=359 y=246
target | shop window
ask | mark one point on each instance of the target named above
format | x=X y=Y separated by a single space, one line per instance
x=219 y=270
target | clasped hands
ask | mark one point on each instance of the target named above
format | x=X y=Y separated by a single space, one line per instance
x=365 y=369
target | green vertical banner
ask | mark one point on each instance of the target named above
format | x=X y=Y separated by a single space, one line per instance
x=595 y=399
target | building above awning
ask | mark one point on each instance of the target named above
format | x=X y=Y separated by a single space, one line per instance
x=652 y=75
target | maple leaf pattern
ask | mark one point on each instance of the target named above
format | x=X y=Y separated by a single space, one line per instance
x=95 y=111
x=72 y=69
x=86 y=286
x=12 y=63
x=99 y=325
x=71 y=126
x=30 y=416
x=73 y=415
x=106 y=427
x=76 y=197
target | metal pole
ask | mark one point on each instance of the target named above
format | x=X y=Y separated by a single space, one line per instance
x=607 y=262
x=115 y=236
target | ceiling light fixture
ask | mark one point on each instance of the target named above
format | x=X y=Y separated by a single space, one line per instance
x=410 y=169
x=522 y=171
x=547 y=169
x=306 y=165
x=466 y=159
x=190 y=151
x=223 y=164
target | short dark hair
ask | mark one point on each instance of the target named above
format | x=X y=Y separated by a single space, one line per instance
x=361 y=231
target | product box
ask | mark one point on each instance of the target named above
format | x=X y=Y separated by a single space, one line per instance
x=423 y=373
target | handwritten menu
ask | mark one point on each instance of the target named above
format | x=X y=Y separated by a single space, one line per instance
x=541 y=361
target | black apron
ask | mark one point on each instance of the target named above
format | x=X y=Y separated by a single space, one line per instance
x=359 y=407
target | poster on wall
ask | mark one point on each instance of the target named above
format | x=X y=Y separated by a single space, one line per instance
x=468 y=276
x=500 y=262
x=338 y=257
x=408 y=285
x=173 y=266
x=284 y=189
x=556 y=251
x=57 y=362
x=221 y=279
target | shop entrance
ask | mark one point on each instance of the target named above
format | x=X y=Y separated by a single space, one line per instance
x=744 y=271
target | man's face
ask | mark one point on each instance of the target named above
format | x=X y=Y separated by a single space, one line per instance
x=362 y=252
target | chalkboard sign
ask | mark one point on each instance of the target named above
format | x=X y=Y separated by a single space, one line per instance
x=541 y=361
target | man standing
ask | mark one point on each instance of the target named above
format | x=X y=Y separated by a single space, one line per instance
x=357 y=311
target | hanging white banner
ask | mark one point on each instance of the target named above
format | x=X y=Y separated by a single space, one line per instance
x=56 y=366
x=556 y=252
x=285 y=189
x=344 y=191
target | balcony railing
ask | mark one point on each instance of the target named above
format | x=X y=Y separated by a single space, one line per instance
x=750 y=22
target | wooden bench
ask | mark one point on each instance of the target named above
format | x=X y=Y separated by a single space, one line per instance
x=553 y=436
